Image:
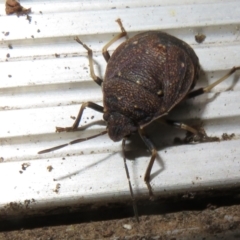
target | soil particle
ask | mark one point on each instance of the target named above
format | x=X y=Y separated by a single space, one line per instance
x=13 y=6
x=226 y=136
x=49 y=168
x=58 y=186
x=25 y=166
x=220 y=223
x=200 y=38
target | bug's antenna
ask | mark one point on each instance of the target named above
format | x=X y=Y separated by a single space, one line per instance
x=129 y=182
x=72 y=142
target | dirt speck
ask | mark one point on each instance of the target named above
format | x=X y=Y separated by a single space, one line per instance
x=189 y=195
x=57 y=188
x=127 y=226
x=29 y=18
x=200 y=38
x=226 y=136
x=13 y=6
x=25 y=166
x=49 y=168
x=107 y=233
x=17 y=207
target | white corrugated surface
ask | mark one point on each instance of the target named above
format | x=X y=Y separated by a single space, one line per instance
x=44 y=91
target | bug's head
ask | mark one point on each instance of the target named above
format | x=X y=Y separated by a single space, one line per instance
x=119 y=126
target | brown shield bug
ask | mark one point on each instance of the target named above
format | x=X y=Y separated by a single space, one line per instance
x=146 y=77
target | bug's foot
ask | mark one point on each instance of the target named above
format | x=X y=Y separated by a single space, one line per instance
x=66 y=129
x=151 y=195
x=201 y=136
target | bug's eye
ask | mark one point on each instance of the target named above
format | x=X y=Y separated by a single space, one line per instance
x=119 y=126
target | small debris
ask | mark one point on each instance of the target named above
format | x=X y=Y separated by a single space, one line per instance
x=72 y=117
x=107 y=233
x=57 y=55
x=13 y=6
x=9 y=76
x=127 y=226
x=1 y=159
x=69 y=228
x=10 y=46
x=189 y=195
x=8 y=55
x=38 y=31
x=6 y=33
x=25 y=166
x=49 y=168
x=29 y=18
x=27 y=202
x=226 y=136
x=211 y=206
x=200 y=38
x=56 y=190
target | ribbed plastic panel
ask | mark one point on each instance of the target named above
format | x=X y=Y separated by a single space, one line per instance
x=46 y=78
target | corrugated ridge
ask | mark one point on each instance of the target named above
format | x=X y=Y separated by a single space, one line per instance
x=46 y=78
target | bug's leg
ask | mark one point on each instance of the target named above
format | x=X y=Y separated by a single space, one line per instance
x=72 y=142
x=180 y=125
x=120 y=35
x=91 y=105
x=129 y=181
x=194 y=135
x=153 y=151
x=97 y=79
x=211 y=86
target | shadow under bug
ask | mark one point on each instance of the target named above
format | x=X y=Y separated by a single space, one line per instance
x=146 y=77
